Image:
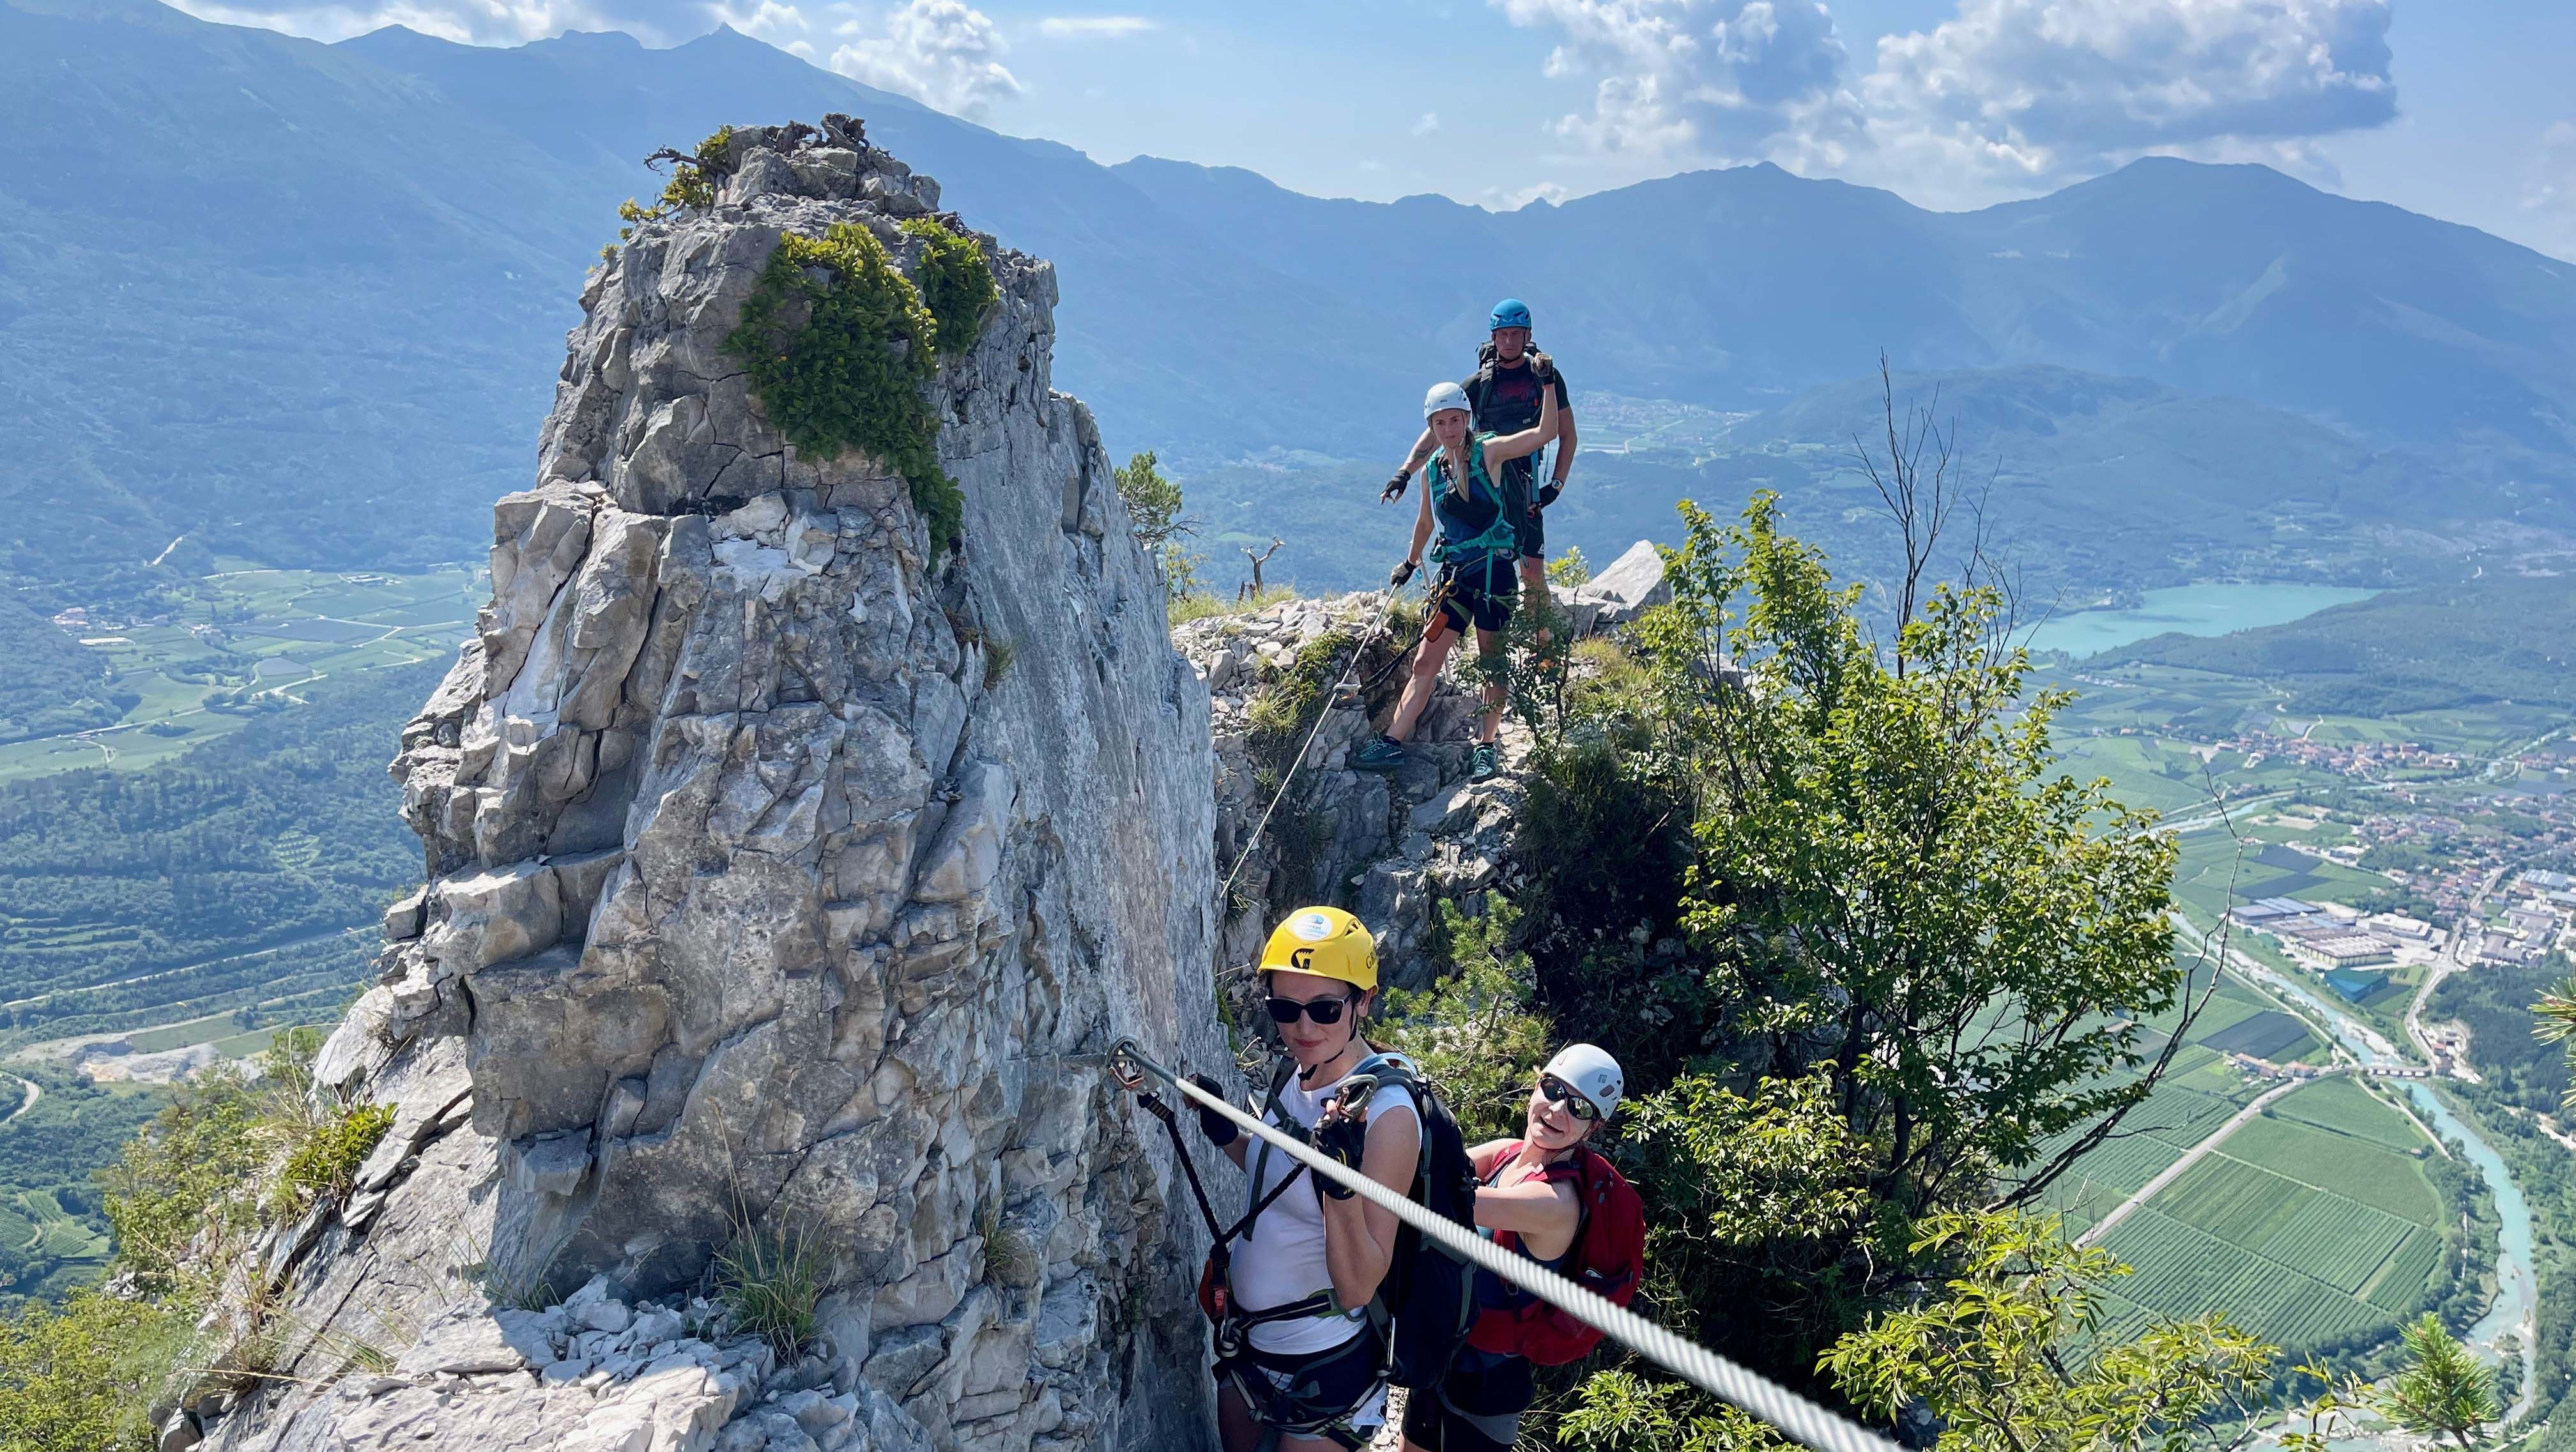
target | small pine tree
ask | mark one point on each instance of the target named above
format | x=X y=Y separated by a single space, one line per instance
x=2444 y=1393
x=1153 y=503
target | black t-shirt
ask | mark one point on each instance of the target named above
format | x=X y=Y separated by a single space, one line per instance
x=1509 y=402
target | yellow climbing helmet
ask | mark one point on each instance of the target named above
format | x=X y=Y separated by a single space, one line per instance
x=1326 y=942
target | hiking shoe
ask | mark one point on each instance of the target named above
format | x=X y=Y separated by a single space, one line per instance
x=1486 y=764
x=1378 y=753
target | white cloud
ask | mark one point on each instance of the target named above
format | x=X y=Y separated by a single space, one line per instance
x=2549 y=189
x=2007 y=95
x=473 y=22
x=1429 y=124
x=1094 y=27
x=2040 y=90
x=1710 y=78
x=1499 y=199
x=944 y=53
x=2551 y=183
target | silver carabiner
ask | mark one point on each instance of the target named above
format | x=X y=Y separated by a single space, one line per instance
x=1123 y=1065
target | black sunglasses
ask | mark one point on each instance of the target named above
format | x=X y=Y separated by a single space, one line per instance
x=1556 y=1091
x=1321 y=1010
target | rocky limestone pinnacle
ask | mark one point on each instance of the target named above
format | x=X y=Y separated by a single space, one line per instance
x=781 y=874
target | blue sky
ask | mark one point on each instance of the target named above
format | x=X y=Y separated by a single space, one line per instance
x=2461 y=109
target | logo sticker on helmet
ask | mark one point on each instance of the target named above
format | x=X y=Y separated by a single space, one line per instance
x=1302 y=959
x=1313 y=927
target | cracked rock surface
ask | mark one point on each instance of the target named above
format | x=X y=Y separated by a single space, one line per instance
x=1386 y=846
x=778 y=873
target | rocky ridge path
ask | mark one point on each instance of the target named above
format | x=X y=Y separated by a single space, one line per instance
x=1385 y=846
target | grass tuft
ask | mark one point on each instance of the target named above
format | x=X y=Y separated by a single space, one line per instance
x=770 y=1279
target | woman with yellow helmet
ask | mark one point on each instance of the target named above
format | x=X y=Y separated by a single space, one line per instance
x=1296 y=1352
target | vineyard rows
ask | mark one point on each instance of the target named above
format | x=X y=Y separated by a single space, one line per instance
x=2346 y=1108
x=2353 y=1168
x=2182 y=1271
x=2326 y=1236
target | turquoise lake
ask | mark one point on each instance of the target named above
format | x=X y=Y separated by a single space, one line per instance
x=2189 y=610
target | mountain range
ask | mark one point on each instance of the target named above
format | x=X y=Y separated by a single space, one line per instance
x=269 y=300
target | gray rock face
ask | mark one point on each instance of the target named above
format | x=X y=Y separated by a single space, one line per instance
x=1630 y=586
x=1386 y=847
x=759 y=891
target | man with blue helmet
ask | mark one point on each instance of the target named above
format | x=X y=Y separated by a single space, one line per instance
x=1504 y=394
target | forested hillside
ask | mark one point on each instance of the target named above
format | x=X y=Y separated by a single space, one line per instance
x=2495 y=638
x=225 y=879
x=52 y=684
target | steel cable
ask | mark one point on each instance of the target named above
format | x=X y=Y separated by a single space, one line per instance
x=1801 y=1418
x=1225 y=892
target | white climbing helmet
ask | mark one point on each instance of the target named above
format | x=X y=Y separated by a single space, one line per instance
x=1591 y=1072
x=1443 y=397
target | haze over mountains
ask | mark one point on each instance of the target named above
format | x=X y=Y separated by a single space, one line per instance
x=296 y=303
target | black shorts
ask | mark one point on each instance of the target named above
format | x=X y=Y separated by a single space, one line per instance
x=1476 y=1408
x=1338 y=1395
x=1479 y=592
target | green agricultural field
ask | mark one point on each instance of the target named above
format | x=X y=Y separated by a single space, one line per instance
x=2217 y=872
x=2311 y=1224
x=52 y=1235
x=250 y=642
x=2364 y=1170
x=2200 y=1092
x=2180 y=1271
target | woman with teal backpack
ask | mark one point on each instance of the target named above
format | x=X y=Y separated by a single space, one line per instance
x=1474 y=504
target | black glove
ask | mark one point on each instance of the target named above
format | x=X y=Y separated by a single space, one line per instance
x=1345 y=1140
x=1394 y=489
x=1220 y=1130
x=1542 y=365
x=1401 y=573
x=1548 y=492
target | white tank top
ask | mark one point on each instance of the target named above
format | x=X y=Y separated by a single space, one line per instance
x=1281 y=1260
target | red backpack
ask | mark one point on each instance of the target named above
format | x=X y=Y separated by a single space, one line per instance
x=1608 y=1258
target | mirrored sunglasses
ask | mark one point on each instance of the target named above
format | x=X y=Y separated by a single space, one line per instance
x=1557 y=1091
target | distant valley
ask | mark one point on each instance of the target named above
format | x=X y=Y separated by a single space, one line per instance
x=289 y=304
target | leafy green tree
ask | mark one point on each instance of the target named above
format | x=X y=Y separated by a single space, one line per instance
x=1992 y=1356
x=1474 y=1034
x=1893 y=886
x=1890 y=952
x=1623 y=1412
x=183 y=1176
x=80 y=1378
x=2444 y=1392
x=1995 y=1358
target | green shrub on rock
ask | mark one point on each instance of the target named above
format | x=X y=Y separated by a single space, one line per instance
x=324 y=1163
x=839 y=349
x=184 y=1175
x=956 y=283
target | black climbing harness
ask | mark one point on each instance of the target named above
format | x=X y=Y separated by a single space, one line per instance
x=1214 y=1297
x=1294 y=1408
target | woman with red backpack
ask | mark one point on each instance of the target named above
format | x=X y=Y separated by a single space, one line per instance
x=1556 y=1200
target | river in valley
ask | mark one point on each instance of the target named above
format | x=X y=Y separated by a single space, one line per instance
x=2517 y=1287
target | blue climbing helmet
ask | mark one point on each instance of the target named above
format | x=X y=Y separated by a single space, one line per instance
x=1511 y=312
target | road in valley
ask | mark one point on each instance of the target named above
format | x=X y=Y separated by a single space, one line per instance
x=2190 y=1157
